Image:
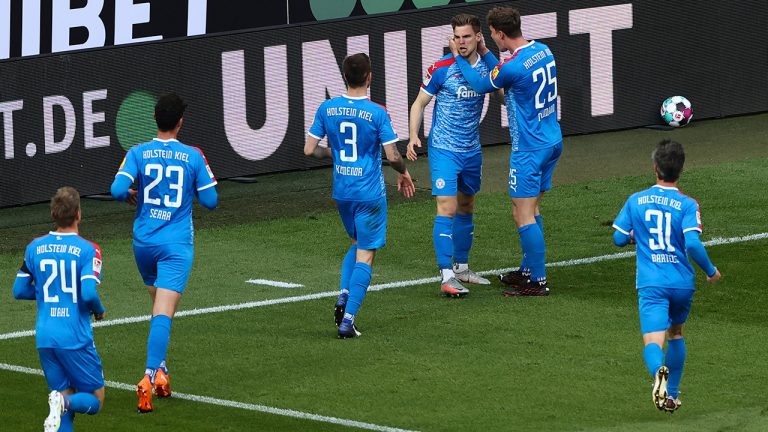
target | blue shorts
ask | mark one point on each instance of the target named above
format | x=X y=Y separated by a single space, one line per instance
x=79 y=369
x=452 y=171
x=530 y=172
x=165 y=266
x=365 y=221
x=661 y=308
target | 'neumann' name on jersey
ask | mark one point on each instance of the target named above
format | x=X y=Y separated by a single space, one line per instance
x=541 y=55
x=661 y=200
x=165 y=154
x=349 y=112
x=58 y=248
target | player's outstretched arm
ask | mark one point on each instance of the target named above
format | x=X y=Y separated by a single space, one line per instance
x=404 y=182
x=698 y=254
x=312 y=148
x=414 y=123
x=480 y=84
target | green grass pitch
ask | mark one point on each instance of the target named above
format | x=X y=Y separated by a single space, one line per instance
x=568 y=362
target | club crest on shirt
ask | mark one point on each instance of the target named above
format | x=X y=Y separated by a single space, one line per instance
x=439 y=183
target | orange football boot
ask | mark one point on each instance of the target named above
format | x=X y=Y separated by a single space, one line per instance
x=162 y=384
x=144 y=391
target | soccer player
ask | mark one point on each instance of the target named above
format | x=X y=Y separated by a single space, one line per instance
x=529 y=80
x=455 y=158
x=168 y=175
x=357 y=129
x=61 y=271
x=666 y=225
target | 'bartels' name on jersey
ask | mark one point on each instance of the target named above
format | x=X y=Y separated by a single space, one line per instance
x=165 y=154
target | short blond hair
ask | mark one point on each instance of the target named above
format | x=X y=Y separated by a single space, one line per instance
x=64 y=206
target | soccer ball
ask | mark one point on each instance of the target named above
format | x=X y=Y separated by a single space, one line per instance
x=676 y=111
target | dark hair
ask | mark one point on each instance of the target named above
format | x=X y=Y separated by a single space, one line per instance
x=64 y=206
x=669 y=158
x=169 y=109
x=466 y=19
x=356 y=69
x=506 y=19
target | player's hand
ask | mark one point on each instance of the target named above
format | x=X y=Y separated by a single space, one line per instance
x=132 y=196
x=99 y=317
x=481 y=48
x=411 y=152
x=452 y=46
x=715 y=277
x=405 y=184
x=631 y=236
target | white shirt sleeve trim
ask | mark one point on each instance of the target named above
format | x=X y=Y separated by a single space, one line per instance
x=98 y=281
x=125 y=174
x=619 y=229
x=22 y=275
x=391 y=141
x=207 y=186
x=692 y=229
x=314 y=136
x=424 y=89
x=494 y=85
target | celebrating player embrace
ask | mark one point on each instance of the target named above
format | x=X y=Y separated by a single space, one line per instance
x=455 y=157
x=529 y=80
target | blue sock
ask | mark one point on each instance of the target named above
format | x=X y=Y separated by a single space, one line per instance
x=84 y=403
x=653 y=355
x=540 y=223
x=358 y=286
x=163 y=367
x=675 y=361
x=157 y=344
x=442 y=237
x=346 y=267
x=463 y=234
x=67 y=422
x=532 y=242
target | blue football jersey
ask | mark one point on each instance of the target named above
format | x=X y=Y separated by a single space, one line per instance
x=456 y=118
x=57 y=263
x=356 y=130
x=529 y=80
x=660 y=216
x=168 y=175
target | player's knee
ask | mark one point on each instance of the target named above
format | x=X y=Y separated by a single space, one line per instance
x=446 y=208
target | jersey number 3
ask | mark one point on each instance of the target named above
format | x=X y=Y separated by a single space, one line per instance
x=175 y=176
x=343 y=155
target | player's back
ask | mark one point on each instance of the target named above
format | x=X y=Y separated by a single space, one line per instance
x=356 y=130
x=660 y=216
x=456 y=119
x=168 y=175
x=529 y=80
x=58 y=262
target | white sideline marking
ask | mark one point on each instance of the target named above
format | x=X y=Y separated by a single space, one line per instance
x=377 y=287
x=274 y=283
x=233 y=404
